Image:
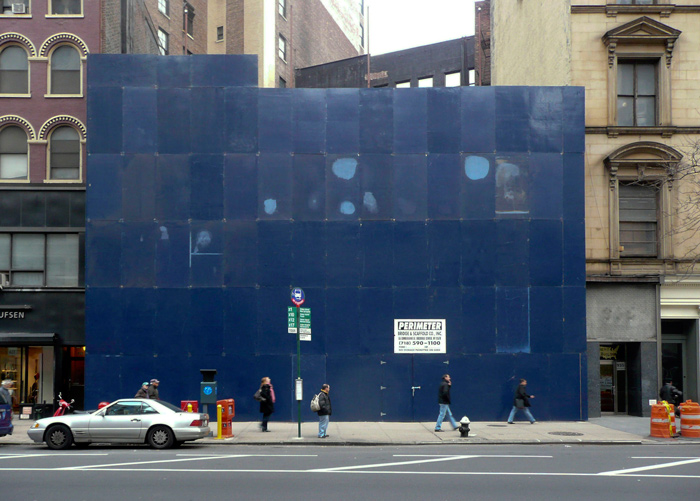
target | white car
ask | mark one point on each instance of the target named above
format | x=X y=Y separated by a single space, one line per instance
x=125 y=421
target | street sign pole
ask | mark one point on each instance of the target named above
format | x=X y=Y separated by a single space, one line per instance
x=298 y=299
x=298 y=372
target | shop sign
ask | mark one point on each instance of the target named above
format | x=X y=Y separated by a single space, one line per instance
x=608 y=352
x=14 y=312
x=419 y=336
x=7 y=315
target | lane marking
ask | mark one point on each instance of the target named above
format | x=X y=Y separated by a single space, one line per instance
x=159 y=461
x=652 y=467
x=474 y=473
x=399 y=463
x=260 y=455
x=48 y=454
x=664 y=457
x=476 y=456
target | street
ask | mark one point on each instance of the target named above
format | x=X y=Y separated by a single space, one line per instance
x=303 y=472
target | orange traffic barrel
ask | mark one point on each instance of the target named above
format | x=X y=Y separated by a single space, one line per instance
x=690 y=419
x=663 y=420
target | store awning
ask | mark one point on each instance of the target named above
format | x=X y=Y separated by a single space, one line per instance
x=28 y=338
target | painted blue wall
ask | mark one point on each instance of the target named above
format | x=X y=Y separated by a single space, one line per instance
x=208 y=199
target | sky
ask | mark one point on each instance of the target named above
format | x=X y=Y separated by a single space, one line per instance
x=402 y=24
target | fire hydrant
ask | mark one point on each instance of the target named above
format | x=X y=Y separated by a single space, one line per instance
x=464 y=427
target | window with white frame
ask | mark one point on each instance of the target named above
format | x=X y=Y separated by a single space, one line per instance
x=282 y=48
x=453 y=79
x=164 y=7
x=163 y=42
x=14 y=153
x=282 y=7
x=472 y=77
x=14 y=70
x=65 y=71
x=41 y=259
x=15 y=7
x=66 y=7
x=425 y=82
x=403 y=85
x=64 y=153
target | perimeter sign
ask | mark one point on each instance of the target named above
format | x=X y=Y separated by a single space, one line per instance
x=419 y=336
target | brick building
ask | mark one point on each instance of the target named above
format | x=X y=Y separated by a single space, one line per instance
x=43 y=51
x=282 y=33
x=442 y=64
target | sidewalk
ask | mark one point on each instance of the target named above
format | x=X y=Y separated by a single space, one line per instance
x=622 y=430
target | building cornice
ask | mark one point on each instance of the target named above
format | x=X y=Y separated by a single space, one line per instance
x=613 y=10
x=663 y=131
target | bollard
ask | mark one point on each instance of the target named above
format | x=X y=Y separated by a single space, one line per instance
x=218 y=421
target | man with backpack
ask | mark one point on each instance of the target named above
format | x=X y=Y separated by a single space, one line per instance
x=324 y=410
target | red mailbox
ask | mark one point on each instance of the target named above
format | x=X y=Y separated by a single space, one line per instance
x=193 y=403
x=228 y=411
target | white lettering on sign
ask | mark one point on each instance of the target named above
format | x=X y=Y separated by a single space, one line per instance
x=11 y=314
x=419 y=336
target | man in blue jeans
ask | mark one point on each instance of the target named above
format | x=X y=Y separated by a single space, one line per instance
x=444 y=401
x=324 y=413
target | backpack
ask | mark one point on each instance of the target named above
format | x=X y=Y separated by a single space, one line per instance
x=315 y=404
x=258 y=396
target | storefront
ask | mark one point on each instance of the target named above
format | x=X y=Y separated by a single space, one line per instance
x=42 y=345
x=623 y=348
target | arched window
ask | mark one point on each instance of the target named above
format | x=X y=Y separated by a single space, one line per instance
x=13 y=153
x=64 y=153
x=14 y=70
x=65 y=71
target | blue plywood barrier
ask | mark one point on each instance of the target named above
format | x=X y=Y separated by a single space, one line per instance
x=209 y=199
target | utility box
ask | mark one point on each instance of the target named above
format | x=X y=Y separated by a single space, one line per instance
x=207 y=390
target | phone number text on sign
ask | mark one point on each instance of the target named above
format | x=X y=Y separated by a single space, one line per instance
x=419 y=336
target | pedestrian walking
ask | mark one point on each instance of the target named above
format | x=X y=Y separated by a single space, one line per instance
x=325 y=411
x=444 y=401
x=267 y=404
x=143 y=391
x=153 y=389
x=521 y=402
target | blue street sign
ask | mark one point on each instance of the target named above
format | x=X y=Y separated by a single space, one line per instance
x=298 y=297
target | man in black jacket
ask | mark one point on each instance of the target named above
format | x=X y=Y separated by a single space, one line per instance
x=444 y=402
x=324 y=413
x=671 y=394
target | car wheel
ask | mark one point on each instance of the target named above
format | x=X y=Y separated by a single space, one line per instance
x=161 y=437
x=59 y=437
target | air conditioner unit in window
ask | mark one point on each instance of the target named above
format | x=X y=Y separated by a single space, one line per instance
x=4 y=280
x=19 y=8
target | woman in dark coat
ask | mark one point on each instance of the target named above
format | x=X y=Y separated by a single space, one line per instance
x=267 y=405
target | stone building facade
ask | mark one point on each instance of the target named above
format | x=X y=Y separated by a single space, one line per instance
x=640 y=65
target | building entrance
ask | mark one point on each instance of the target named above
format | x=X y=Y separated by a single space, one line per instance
x=613 y=378
x=679 y=355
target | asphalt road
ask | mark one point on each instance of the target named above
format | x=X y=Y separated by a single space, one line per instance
x=351 y=473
